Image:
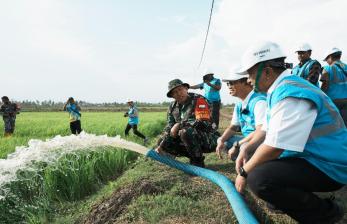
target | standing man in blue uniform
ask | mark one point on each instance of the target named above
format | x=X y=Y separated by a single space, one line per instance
x=334 y=80
x=249 y=115
x=75 y=115
x=133 y=121
x=211 y=87
x=305 y=146
x=307 y=68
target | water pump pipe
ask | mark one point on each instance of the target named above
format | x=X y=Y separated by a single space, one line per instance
x=241 y=210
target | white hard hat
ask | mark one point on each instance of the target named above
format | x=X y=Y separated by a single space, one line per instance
x=331 y=51
x=304 y=47
x=262 y=51
x=234 y=77
x=129 y=100
x=208 y=71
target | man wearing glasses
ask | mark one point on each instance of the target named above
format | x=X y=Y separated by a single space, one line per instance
x=248 y=115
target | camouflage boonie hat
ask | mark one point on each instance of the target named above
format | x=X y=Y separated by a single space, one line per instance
x=175 y=83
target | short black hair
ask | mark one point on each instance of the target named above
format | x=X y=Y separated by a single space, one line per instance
x=5 y=98
x=336 y=56
x=277 y=64
x=243 y=80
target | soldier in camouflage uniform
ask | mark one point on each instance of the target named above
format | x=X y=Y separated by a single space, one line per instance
x=9 y=111
x=189 y=130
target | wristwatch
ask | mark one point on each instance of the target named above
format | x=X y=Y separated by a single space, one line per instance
x=242 y=172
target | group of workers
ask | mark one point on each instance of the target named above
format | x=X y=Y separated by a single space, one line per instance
x=9 y=111
x=74 y=109
x=294 y=135
x=293 y=138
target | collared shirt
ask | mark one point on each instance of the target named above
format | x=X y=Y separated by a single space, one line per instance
x=291 y=121
x=211 y=94
x=259 y=111
x=133 y=115
x=309 y=70
x=73 y=112
x=336 y=76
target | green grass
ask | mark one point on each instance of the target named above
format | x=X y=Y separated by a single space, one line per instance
x=73 y=177
x=177 y=198
x=43 y=125
x=40 y=188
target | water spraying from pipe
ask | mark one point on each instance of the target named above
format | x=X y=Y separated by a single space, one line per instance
x=51 y=150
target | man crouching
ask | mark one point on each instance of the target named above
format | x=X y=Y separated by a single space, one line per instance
x=189 y=130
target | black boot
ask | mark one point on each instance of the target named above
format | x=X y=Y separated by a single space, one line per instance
x=197 y=161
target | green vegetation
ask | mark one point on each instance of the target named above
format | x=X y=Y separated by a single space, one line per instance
x=72 y=177
x=41 y=187
x=154 y=193
x=43 y=125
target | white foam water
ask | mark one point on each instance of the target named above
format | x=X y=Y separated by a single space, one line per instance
x=52 y=149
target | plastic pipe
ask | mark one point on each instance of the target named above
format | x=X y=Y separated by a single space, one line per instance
x=241 y=210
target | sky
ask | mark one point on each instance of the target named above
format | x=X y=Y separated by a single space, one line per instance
x=112 y=50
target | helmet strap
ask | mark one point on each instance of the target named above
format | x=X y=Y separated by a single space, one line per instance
x=259 y=72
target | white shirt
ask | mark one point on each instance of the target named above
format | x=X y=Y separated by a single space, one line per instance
x=291 y=121
x=259 y=111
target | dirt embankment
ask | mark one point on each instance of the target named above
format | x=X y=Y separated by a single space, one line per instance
x=109 y=209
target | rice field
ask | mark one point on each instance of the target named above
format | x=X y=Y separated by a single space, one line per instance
x=57 y=170
x=43 y=125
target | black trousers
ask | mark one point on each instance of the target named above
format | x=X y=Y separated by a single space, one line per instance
x=343 y=112
x=215 y=107
x=289 y=183
x=75 y=127
x=134 y=127
x=9 y=124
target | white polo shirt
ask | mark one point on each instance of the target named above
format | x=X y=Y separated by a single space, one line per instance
x=291 y=121
x=259 y=111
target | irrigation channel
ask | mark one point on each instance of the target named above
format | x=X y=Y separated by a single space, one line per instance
x=49 y=151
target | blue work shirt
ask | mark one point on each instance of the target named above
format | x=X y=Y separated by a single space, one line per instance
x=337 y=80
x=211 y=94
x=74 y=112
x=133 y=116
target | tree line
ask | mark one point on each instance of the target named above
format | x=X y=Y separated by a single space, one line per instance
x=49 y=105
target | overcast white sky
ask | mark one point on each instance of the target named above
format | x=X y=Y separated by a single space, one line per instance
x=111 y=50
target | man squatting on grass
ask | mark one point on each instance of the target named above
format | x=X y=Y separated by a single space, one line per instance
x=248 y=115
x=189 y=129
x=305 y=146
